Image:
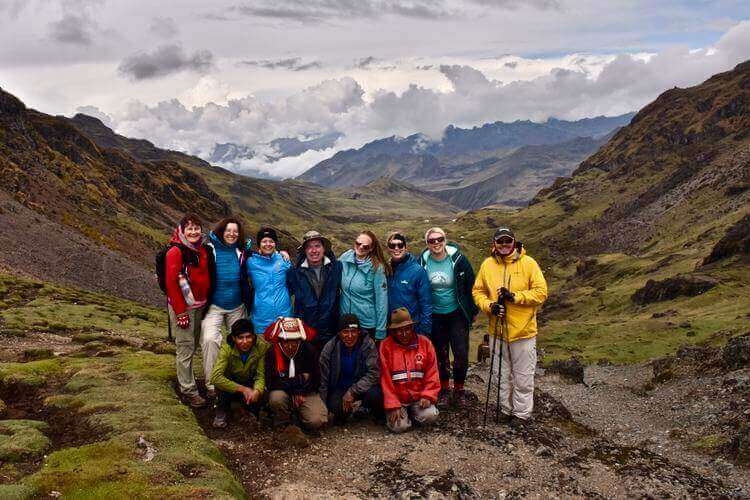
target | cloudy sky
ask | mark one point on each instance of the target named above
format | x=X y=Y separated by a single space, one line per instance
x=189 y=74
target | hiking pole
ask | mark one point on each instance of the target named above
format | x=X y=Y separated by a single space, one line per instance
x=499 y=321
x=169 y=324
x=510 y=357
x=489 y=381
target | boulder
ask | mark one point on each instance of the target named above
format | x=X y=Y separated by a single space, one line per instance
x=569 y=369
x=670 y=288
x=736 y=353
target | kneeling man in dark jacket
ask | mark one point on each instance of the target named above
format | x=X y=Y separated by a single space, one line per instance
x=349 y=371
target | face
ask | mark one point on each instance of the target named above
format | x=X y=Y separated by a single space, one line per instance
x=362 y=246
x=267 y=246
x=397 y=249
x=505 y=245
x=436 y=243
x=192 y=232
x=289 y=347
x=244 y=341
x=404 y=335
x=314 y=251
x=349 y=336
x=231 y=233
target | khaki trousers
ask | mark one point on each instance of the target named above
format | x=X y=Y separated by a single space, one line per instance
x=211 y=336
x=313 y=413
x=186 y=340
x=422 y=416
x=517 y=377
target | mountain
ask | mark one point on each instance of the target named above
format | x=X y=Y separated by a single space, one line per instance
x=645 y=244
x=468 y=153
x=232 y=155
x=84 y=206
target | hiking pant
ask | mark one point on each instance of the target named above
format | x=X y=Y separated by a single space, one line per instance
x=211 y=336
x=421 y=416
x=224 y=401
x=312 y=414
x=451 y=331
x=517 y=377
x=372 y=400
x=186 y=340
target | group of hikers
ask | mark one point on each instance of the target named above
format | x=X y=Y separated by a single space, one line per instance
x=326 y=338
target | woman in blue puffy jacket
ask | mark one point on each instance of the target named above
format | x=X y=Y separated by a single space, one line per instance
x=267 y=269
x=364 y=286
x=409 y=285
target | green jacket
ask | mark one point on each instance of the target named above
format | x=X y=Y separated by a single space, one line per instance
x=230 y=372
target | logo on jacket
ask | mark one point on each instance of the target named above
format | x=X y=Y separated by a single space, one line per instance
x=419 y=358
x=404 y=282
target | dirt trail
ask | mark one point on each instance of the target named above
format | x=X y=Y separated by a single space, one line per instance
x=595 y=450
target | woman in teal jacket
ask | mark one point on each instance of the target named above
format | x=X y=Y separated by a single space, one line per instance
x=364 y=288
x=267 y=271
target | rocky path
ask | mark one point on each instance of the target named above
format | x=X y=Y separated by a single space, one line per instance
x=600 y=440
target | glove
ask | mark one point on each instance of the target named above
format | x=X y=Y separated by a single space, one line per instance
x=183 y=321
x=497 y=310
x=506 y=295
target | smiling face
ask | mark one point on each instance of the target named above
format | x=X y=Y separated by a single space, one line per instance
x=231 y=233
x=244 y=341
x=192 y=233
x=314 y=251
x=505 y=245
x=362 y=246
x=436 y=245
x=267 y=246
x=397 y=249
x=404 y=335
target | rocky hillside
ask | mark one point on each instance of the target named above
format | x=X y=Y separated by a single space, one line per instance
x=465 y=158
x=95 y=206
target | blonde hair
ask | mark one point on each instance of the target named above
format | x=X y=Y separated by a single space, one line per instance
x=434 y=230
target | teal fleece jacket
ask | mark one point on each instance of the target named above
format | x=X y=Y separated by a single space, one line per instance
x=364 y=292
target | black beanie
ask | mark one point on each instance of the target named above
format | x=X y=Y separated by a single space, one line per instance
x=267 y=232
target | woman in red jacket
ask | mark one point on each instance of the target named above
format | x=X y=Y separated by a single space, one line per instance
x=188 y=284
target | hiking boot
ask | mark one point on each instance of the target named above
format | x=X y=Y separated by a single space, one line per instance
x=444 y=399
x=519 y=423
x=220 y=419
x=459 y=399
x=211 y=393
x=195 y=400
x=504 y=419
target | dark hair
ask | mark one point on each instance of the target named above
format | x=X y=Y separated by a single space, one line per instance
x=239 y=327
x=190 y=217
x=376 y=254
x=221 y=227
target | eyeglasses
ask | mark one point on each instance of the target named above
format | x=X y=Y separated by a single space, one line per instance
x=439 y=239
x=504 y=241
x=363 y=246
x=396 y=244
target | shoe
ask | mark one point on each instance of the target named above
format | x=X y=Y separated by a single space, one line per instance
x=220 y=419
x=195 y=401
x=211 y=393
x=504 y=419
x=459 y=399
x=444 y=399
x=519 y=423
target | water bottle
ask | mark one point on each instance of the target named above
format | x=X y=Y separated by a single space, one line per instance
x=187 y=293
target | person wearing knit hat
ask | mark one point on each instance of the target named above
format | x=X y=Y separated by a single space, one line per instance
x=266 y=271
x=453 y=311
x=293 y=375
x=350 y=372
x=510 y=288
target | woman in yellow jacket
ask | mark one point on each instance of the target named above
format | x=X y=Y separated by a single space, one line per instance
x=511 y=274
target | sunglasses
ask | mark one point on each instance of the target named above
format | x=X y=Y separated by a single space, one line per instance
x=363 y=246
x=504 y=241
x=432 y=241
x=396 y=244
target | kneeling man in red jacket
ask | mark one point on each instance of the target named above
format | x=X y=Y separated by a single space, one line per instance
x=408 y=374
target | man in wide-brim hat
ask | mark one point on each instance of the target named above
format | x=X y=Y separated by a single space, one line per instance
x=408 y=375
x=314 y=282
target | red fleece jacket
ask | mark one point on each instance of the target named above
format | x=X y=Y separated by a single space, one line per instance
x=198 y=275
x=408 y=373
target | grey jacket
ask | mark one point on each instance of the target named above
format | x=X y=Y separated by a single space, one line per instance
x=367 y=372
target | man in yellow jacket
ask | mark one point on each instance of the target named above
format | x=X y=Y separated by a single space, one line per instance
x=510 y=285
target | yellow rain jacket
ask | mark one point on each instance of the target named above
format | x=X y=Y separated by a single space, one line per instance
x=520 y=274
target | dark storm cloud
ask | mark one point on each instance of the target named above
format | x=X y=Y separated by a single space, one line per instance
x=316 y=11
x=73 y=29
x=365 y=62
x=165 y=60
x=291 y=64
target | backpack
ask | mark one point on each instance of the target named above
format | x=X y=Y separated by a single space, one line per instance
x=161 y=264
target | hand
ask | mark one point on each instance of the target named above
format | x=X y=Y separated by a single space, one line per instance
x=497 y=310
x=247 y=394
x=393 y=416
x=183 y=320
x=305 y=377
x=425 y=403
x=347 y=401
x=285 y=255
x=298 y=400
x=506 y=295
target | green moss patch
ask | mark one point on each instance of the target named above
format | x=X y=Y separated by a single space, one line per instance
x=22 y=440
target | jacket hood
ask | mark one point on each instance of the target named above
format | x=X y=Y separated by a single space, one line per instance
x=179 y=238
x=452 y=249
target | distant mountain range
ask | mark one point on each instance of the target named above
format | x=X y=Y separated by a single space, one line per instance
x=497 y=163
